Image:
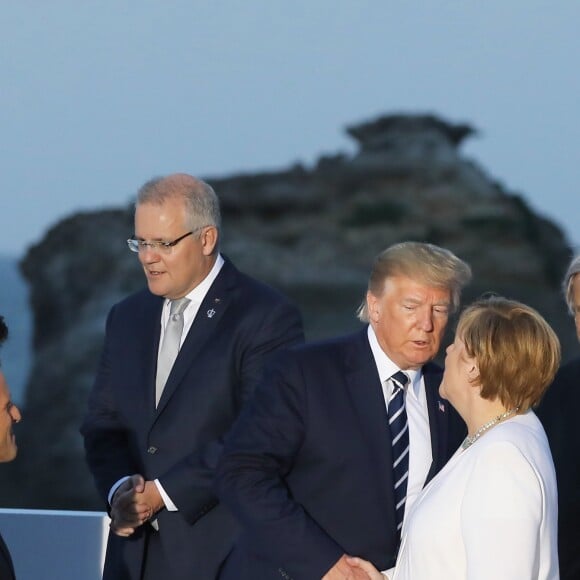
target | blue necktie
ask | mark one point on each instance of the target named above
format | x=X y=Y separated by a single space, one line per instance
x=399 y=428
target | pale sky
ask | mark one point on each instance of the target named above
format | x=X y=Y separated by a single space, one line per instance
x=96 y=97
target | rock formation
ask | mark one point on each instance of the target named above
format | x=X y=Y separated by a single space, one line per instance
x=313 y=232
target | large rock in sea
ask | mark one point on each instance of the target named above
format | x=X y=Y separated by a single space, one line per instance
x=313 y=232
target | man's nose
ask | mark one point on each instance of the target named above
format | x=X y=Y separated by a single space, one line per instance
x=426 y=320
x=148 y=255
x=15 y=414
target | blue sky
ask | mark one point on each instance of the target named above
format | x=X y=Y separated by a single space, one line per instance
x=96 y=97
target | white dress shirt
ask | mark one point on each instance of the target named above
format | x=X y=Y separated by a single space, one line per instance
x=420 y=454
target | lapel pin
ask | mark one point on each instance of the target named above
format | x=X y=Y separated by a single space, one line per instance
x=210 y=313
x=441 y=406
x=217 y=300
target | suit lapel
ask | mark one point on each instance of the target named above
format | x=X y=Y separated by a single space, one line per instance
x=438 y=409
x=363 y=383
x=207 y=320
x=148 y=336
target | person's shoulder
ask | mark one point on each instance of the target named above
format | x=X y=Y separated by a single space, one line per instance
x=504 y=475
x=134 y=307
x=253 y=288
x=568 y=372
x=564 y=392
x=140 y=298
x=501 y=447
x=520 y=437
x=337 y=349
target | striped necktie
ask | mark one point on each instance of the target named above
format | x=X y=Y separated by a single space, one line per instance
x=399 y=428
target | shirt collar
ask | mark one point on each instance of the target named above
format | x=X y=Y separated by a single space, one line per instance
x=387 y=368
x=197 y=295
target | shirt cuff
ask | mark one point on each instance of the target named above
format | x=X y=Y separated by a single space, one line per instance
x=115 y=487
x=169 y=505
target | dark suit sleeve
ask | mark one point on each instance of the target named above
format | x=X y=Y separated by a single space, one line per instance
x=105 y=434
x=259 y=453
x=558 y=413
x=6 y=565
x=189 y=483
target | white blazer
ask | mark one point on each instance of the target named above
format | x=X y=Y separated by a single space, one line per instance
x=490 y=513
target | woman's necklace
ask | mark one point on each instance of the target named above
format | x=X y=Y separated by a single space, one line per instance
x=471 y=439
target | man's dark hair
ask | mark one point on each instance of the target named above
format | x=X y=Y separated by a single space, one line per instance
x=3 y=330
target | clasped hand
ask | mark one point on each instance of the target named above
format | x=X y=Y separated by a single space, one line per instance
x=134 y=502
x=348 y=568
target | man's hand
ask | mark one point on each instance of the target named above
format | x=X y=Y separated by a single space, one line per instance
x=152 y=497
x=363 y=565
x=343 y=571
x=129 y=507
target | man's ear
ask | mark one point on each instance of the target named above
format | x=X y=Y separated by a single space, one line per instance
x=209 y=239
x=373 y=307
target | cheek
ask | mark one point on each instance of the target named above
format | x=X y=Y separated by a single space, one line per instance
x=440 y=326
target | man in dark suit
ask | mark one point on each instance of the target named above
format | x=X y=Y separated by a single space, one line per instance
x=311 y=467
x=9 y=414
x=180 y=359
x=559 y=412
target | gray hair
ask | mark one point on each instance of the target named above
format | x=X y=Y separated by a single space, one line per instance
x=419 y=261
x=568 y=283
x=201 y=201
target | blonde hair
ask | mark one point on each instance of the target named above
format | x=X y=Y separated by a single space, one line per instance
x=425 y=263
x=516 y=350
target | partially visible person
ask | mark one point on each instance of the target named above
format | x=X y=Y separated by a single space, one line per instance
x=341 y=435
x=9 y=414
x=491 y=512
x=559 y=411
x=180 y=359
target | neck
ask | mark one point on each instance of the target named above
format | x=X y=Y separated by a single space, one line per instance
x=483 y=414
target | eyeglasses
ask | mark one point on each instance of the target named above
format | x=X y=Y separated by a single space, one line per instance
x=158 y=246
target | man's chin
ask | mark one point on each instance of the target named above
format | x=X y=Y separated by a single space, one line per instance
x=421 y=359
x=8 y=454
x=156 y=289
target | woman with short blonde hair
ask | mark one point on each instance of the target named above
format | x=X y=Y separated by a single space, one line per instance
x=491 y=512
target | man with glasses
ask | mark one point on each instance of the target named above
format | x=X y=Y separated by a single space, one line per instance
x=180 y=359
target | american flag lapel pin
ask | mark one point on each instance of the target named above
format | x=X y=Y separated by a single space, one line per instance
x=441 y=406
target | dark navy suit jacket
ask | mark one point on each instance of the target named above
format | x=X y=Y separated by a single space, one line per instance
x=6 y=567
x=239 y=323
x=307 y=468
x=560 y=414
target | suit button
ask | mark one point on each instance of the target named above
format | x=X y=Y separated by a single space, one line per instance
x=152 y=450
